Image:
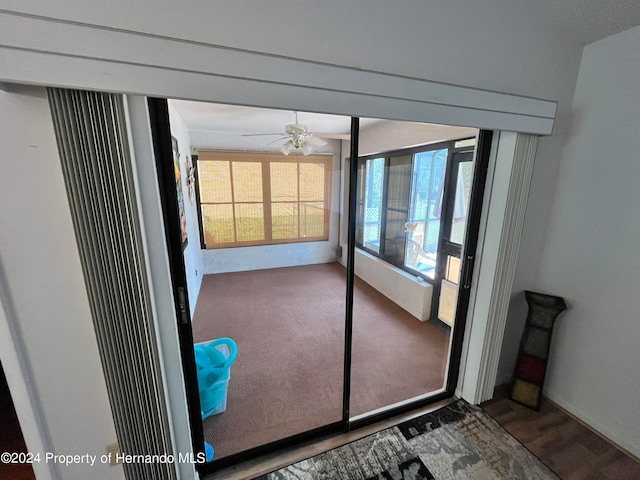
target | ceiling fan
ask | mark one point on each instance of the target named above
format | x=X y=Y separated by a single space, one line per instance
x=299 y=138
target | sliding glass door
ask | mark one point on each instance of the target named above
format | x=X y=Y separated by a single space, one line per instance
x=328 y=269
x=410 y=224
x=263 y=298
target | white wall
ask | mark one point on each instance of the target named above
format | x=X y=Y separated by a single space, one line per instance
x=500 y=46
x=192 y=254
x=50 y=315
x=497 y=45
x=404 y=289
x=591 y=255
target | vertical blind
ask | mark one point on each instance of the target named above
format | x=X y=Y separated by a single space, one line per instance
x=92 y=142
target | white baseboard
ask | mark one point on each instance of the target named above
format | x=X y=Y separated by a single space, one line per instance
x=600 y=428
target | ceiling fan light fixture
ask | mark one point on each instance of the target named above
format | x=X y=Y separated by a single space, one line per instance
x=306 y=149
x=288 y=147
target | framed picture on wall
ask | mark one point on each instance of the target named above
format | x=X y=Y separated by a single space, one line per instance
x=181 y=213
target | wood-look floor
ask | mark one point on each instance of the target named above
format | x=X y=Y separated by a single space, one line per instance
x=571 y=450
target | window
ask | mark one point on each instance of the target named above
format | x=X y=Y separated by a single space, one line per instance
x=262 y=199
x=372 y=203
x=423 y=232
x=400 y=198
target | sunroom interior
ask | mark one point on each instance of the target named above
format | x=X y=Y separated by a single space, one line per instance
x=264 y=226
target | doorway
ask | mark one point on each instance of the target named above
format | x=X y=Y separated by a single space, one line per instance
x=458 y=182
x=343 y=420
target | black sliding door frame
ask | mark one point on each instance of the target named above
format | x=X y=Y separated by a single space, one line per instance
x=468 y=255
x=351 y=258
x=482 y=152
x=161 y=133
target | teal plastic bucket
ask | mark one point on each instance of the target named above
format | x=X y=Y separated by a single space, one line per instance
x=213 y=369
x=209 y=452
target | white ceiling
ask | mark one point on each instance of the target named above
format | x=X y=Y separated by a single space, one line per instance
x=223 y=126
x=211 y=117
x=234 y=119
x=588 y=21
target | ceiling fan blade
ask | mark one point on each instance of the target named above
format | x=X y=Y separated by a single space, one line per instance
x=261 y=134
x=278 y=140
x=316 y=142
x=332 y=136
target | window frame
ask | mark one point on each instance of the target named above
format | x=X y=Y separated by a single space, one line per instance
x=450 y=145
x=266 y=159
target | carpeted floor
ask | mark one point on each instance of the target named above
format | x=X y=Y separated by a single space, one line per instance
x=456 y=442
x=289 y=327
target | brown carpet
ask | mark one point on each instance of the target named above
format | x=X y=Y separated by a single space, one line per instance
x=289 y=327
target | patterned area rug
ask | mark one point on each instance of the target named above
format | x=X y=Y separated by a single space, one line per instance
x=458 y=441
